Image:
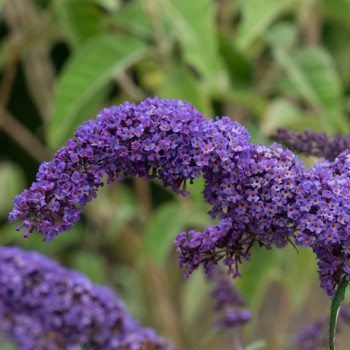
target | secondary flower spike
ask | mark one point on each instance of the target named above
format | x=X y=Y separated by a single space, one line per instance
x=312 y=143
x=45 y=306
x=260 y=194
x=227 y=302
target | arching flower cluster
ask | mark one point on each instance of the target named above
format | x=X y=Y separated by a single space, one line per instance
x=260 y=194
x=312 y=143
x=45 y=306
x=150 y=140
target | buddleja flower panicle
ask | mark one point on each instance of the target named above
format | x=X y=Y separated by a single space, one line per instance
x=129 y=140
x=322 y=211
x=260 y=194
x=45 y=306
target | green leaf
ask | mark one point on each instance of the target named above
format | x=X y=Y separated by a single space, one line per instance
x=335 y=305
x=129 y=288
x=255 y=275
x=90 y=264
x=283 y=113
x=194 y=23
x=88 y=71
x=298 y=271
x=238 y=66
x=161 y=232
x=5 y=345
x=12 y=182
x=81 y=18
x=313 y=74
x=182 y=85
x=338 y=10
x=257 y=16
x=282 y=34
x=193 y=295
x=133 y=17
x=109 y=5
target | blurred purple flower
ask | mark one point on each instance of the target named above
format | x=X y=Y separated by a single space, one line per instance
x=315 y=335
x=312 y=143
x=45 y=306
x=227 y=302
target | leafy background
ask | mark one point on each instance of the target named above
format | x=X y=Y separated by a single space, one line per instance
x=265 y=63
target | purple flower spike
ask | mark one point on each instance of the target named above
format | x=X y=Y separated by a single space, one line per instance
x=322 y=214
x=252 y=191
x=148 y=140
x=45 y=306
x=312 y=143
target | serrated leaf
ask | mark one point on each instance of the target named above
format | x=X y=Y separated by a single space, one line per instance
x=257 y=15
x=312 y=72
x=194 y=23
x=91 y=68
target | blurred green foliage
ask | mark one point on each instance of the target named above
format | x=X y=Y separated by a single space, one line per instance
x=265 y=63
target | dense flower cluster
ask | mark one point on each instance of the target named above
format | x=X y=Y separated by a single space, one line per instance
x=45 y=306
x=322 y=211
x=312 y=143
x=152 y=139
x=227 y=302
x=253 y=197
x=259 y=194
x=315 y=335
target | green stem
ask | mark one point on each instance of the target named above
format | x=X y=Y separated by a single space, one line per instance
x=335 y=306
